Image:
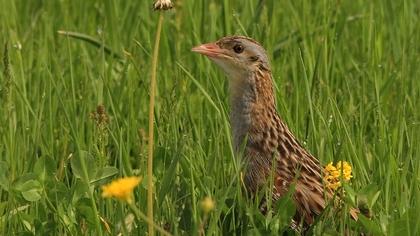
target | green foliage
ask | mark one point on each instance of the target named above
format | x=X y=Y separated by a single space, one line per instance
x=347 y=83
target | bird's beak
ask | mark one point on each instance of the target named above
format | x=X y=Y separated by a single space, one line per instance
x=208 y=49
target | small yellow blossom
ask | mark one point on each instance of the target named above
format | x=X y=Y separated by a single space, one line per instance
x=334 y=174
x=207 y=204
x=330 y=167
x=121 y=189
x=346 y=168
x=334 y=185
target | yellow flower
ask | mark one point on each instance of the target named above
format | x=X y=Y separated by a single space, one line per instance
x=334 y=186
x=207 y=204
x=347 y=171
x=122 y=188
x=334 y=174
x=330 y=167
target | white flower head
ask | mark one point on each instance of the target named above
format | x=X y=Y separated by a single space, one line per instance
x=162 y=5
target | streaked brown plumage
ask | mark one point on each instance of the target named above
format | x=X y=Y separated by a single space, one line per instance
x=268 y=141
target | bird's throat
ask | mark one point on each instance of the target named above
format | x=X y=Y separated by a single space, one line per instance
x=240 y=114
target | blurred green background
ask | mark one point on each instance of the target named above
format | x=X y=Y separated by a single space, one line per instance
x=347 y=82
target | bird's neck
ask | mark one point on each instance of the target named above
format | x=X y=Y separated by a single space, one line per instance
x=251 y=101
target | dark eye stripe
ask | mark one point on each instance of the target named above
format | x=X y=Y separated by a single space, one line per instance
x=253 y=58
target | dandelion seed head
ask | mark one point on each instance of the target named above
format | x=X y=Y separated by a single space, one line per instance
x=162 y=5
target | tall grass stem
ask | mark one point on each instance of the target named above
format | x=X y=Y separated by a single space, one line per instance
x=151 y=126
x=140 y=215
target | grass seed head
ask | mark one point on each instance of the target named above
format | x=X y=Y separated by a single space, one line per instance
x=162 y=5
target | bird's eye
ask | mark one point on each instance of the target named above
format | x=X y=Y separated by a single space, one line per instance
x=238 y=48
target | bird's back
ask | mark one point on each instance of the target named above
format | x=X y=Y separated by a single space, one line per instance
x=272 y=148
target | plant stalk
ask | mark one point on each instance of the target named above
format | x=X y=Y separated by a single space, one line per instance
x=151 y=126
x=140 y=216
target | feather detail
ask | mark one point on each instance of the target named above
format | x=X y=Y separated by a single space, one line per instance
x=269 y=136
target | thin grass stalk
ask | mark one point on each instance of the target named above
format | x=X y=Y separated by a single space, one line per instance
x=140 y=216
x=151 y=128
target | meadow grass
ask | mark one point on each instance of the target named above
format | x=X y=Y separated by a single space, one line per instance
x=347 y=83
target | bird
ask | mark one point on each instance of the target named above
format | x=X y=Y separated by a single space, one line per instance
x=267 y=144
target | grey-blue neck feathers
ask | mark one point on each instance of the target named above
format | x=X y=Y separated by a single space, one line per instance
x=240 y=114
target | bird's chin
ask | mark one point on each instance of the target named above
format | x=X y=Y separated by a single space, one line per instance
x=219 y=60
x=231 y=70
x=223 y=58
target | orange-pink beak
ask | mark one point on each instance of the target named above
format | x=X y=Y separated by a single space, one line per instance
x=208 y=49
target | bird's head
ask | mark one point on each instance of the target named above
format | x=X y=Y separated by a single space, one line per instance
x=238 y=56
x=246 y=64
